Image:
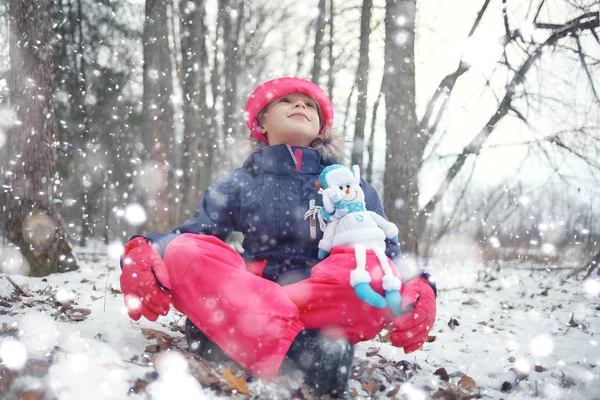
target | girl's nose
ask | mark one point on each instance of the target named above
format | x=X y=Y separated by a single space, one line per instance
x=300 y=103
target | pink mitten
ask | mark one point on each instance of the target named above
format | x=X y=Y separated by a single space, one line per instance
x=418 y=301
x=143 y=273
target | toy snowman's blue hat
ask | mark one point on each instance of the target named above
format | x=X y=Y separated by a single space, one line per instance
x=339 y=173
x=326 y=170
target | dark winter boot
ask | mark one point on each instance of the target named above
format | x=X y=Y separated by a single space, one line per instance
x=325 y=363
x=198 y=343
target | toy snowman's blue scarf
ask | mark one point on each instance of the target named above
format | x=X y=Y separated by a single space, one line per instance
x=356 y=206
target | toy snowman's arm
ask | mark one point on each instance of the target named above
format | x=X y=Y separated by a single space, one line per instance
x=333 y=202
x=327 y=203
x=390 y=229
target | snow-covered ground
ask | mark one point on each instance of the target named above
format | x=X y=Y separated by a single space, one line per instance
x=507 y=330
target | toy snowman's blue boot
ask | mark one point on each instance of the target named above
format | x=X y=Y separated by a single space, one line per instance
x=394 y=300
x=391 y=285
x=322 y=254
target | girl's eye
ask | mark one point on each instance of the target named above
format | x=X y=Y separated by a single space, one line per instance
x=284 y=100
x=311 y=105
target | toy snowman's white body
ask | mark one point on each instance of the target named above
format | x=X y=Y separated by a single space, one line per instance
x=350 y=224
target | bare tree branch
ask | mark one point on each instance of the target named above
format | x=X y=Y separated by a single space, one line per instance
x=348 y=102
x=563 y=146
x=586 y=21
x=586 y=69
x=370 y=147
x=537 y=14
x=447 y=84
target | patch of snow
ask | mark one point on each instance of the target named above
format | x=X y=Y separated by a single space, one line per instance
x=519 y=333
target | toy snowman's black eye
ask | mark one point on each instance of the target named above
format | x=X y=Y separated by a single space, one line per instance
x=341 y=188
x=348 y=186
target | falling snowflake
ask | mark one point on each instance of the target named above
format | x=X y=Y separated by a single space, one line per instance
x=13 y=353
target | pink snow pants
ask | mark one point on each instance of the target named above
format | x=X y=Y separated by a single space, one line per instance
x=247 y=316
x=255 y=320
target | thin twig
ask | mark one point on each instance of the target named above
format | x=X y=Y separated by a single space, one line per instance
x=105 y=288
x=17 y=287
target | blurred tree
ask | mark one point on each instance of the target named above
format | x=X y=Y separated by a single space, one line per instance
x=198 y=119
x=31 y=219
x=404 y=148
x=233 y=21
x=97 y=113
x=331 y=56
x=158 y=131
x=361 y=83
x=315 y=74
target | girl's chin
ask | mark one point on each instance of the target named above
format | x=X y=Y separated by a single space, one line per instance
x=301 y=139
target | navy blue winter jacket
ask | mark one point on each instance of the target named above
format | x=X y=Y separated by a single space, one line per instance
x=266 y=200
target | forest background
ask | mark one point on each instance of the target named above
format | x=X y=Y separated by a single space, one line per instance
x=478 y=124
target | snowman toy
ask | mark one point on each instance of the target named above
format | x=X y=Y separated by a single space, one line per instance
x=347 y=222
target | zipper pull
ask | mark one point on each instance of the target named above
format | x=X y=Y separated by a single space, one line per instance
x=313 y=221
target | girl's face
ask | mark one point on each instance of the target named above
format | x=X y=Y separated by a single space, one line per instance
x=292 y=119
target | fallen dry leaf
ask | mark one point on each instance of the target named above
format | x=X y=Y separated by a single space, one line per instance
x=370 y=387
x=115 y=291
x=442 y=374
x=372 y=351
x=506 y=387
x=467 y=383
x=153 y=348
x=430 y=338
x=202 y=371
x=139 y=385
x=31 y=395
x=155 y=334
x=453 y=393
x=453 y=323
x=539 y=368
x=471 y=302
x=238 y=384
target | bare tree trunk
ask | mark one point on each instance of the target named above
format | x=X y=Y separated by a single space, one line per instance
x=404 y=149
x=83 y=118
x=370 y=142
x=29 y=219
x=153 y=106
x=232 y=25
x=330 y=79
x=167 y=113
x=198 y=149
x=319 y=45
x=362 y=80
x=348 y=104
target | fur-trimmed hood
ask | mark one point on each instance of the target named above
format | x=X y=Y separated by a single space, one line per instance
x=330 y=145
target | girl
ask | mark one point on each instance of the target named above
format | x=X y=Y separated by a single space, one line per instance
x=265 y=310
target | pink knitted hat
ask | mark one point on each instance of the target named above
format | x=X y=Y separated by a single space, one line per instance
x=270 y=90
